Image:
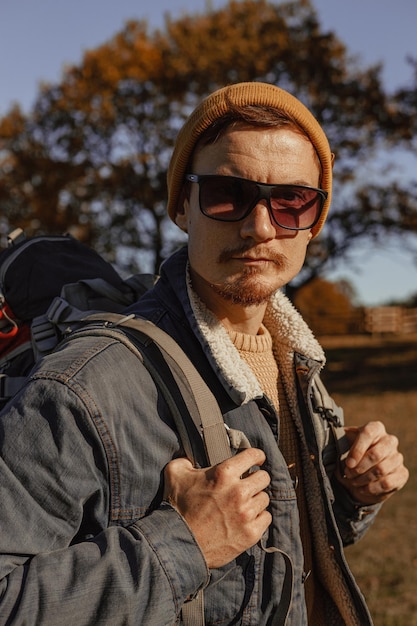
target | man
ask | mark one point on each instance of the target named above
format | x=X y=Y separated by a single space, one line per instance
x=102 y=520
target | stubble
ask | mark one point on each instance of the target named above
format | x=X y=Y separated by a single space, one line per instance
x=249 y=288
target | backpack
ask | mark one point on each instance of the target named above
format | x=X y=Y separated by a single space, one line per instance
x=38 y=272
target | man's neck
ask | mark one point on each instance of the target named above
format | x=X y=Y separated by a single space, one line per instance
x=247 y=320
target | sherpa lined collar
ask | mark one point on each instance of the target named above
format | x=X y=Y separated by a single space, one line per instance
x=289 y=334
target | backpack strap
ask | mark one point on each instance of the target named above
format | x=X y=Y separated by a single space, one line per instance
x=192 y=612
x=201 y=403
x=10 y=385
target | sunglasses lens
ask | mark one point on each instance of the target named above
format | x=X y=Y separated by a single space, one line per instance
x=295 y=207
x=226 y=198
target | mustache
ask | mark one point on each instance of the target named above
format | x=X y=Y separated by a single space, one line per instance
x=255 y=252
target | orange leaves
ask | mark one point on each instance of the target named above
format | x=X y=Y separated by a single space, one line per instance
x=129 y=55
x=239 y=42
x=12 y=124
x=327 y=307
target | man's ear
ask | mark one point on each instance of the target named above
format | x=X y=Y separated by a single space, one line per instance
x=182 y=211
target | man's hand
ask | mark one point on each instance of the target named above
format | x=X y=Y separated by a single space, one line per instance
x=224 y=506
x=374 y=468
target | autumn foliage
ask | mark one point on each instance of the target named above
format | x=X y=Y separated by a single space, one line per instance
x=329 y=308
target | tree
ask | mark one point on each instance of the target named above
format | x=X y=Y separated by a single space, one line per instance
x=328 y=308
x=91 y=156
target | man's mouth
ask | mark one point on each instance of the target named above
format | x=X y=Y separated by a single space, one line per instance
x=253 y=257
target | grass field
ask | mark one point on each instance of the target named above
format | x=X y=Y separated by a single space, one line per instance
x=376 y=378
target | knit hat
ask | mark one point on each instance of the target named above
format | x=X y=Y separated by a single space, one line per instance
x=241 y=94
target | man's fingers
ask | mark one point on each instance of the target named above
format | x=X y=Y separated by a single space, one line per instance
x=243 y=471
x=241 y=464
x=378 y=471
x=374 y=467
x=363 y=439
x=369 y=491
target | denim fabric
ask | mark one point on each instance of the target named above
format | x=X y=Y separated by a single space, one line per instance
x=85 y=536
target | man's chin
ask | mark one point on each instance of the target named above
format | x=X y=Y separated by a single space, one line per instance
x=246 y=291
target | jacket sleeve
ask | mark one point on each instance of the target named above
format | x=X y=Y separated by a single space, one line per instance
x=61 y=562
x=353 y=519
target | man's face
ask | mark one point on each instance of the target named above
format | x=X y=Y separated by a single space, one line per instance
x=245 y=262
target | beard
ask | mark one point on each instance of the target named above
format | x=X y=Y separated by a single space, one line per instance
x=249 y=288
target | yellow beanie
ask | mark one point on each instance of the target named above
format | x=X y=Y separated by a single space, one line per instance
x=245 y=94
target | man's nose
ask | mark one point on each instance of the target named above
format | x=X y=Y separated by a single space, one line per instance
x=258 y=224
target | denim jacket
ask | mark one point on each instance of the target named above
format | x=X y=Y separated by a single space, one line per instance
x=86 y=537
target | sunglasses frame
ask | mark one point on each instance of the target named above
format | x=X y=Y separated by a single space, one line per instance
x=264 y=193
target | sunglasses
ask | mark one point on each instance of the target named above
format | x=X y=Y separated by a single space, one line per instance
x=231 y=199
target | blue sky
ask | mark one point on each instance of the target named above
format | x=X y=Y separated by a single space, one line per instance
x=37 y=39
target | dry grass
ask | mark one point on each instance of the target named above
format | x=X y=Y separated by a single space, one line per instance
x=377 y=379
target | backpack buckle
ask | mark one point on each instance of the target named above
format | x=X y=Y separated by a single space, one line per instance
x=44 y=335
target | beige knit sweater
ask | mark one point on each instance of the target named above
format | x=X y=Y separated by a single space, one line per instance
x=257 y=352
